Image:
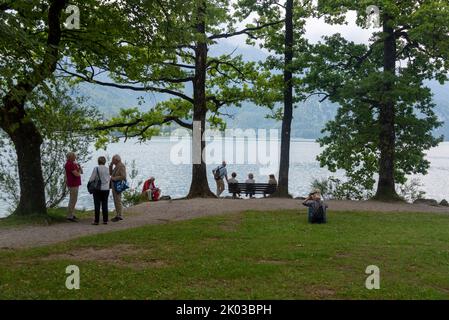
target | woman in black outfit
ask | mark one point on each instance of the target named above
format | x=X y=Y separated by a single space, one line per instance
x=101 y=196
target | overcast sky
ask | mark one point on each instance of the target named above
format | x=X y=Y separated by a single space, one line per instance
x=317 y=28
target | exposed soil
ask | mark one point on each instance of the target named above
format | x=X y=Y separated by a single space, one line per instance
x=120 y=255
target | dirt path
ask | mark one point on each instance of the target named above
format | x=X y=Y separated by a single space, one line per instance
x=165 y=211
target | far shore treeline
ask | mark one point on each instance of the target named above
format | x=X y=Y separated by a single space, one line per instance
x=381 y=130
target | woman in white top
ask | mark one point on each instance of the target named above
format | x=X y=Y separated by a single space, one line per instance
x=101 y=196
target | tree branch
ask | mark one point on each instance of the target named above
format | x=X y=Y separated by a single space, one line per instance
x=5 y=6
x=180 y=65
x=163 y=79
x=127 y=87
x=136 y=122
x=227 y=63
x=51 y=55
x=246 y=31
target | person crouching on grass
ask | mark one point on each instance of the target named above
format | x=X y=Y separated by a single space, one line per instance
x=317 y=207
x=149 y=191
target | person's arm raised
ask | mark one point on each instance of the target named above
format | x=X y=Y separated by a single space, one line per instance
x=306 y=202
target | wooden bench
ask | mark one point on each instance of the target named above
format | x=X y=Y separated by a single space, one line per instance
x=252 y=188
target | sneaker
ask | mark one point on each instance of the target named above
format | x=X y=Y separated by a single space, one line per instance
x=105 y=222
x=72 y=219
x=95 y=223
x=115 y=219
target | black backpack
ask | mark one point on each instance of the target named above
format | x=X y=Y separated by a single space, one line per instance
x=216 y=173
x=94 y=185
x=318 y=215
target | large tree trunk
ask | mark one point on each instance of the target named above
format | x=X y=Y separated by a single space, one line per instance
x=284 y=163
x=199 y=188
x=387 y=136
x=27 y=141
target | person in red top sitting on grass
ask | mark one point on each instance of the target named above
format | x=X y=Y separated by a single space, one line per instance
x=150 y=191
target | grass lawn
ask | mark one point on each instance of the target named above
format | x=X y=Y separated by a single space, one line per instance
x=252 y=255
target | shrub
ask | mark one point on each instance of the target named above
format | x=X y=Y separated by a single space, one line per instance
x=132 y=196
x=335 y=189
x=410 y=191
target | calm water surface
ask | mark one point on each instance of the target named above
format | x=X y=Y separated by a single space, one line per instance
x=162 y=158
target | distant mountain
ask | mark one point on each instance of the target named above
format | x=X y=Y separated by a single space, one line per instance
x=309 y=117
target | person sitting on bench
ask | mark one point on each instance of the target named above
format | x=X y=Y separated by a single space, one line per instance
x=272 y=182
x=250 y=180
x=231 y=181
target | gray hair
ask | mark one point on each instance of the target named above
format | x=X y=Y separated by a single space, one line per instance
x=117 y=157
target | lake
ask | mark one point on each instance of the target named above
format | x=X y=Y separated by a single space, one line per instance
x=168 y=161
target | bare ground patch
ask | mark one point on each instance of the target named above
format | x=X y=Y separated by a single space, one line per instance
x=119 y=255
x=274 y=261
x=343 y=255
x=212 y=239
x=232 y=224
x=320 y=292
